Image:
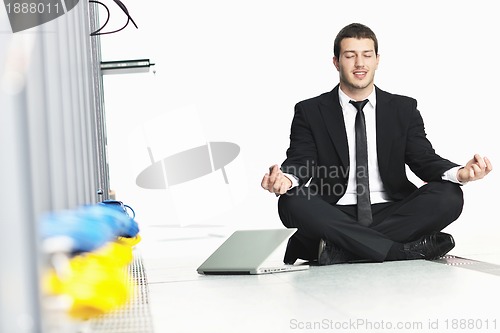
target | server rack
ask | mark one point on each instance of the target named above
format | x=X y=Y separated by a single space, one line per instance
x=52 y=147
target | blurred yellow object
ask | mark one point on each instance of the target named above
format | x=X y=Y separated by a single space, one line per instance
x=130 y=241
x=97 y=282
x=115 y=254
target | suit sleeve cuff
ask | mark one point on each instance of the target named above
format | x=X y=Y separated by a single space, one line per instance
x=293 y=179
x=451 y=175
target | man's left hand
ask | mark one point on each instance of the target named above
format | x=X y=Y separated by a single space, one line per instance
x=475 y=169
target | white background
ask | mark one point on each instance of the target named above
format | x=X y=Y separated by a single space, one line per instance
x=233 y=71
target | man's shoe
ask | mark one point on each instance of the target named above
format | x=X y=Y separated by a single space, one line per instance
x=429 y=247
x=328 y=254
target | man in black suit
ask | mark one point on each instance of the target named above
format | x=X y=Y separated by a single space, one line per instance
x=348 y=209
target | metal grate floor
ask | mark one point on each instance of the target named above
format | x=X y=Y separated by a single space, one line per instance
x=474 y=265
x=135 y=317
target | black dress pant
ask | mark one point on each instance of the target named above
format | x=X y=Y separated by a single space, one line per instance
x=430 y=208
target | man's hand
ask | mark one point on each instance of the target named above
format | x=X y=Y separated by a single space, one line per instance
x=275 y=181
x=475 y=169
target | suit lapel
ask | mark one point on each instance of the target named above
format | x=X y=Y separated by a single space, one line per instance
x=331 y=112
x=384 y=117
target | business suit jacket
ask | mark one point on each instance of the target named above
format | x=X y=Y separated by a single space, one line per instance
x=319 y=148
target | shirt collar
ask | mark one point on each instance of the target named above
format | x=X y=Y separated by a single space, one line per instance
x=344 y=99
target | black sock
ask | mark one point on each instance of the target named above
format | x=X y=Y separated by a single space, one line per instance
x=396 y=252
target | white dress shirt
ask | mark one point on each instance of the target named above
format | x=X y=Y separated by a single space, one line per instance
x=377 y=190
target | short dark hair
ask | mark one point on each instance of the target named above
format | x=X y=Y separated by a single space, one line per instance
x=354 y=30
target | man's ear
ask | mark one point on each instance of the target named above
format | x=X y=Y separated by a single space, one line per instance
x=336 y=62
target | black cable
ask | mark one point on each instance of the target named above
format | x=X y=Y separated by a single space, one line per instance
x=95 y=33
x=123 y=8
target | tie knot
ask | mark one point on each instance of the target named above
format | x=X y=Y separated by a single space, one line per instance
x=359 y=105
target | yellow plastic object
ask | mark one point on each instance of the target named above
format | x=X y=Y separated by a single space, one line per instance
x=96 y=282
x=130 y=241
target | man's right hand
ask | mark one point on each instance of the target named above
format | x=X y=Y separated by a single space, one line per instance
x=275 y=181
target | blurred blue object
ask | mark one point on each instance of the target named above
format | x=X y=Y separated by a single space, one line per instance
x=120 y=206
x=88 y=227
x=117 y=218
x=85 y=233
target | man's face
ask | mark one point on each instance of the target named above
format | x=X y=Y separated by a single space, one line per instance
x=356 y=64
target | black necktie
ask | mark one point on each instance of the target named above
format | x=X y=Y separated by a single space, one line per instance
x=362 y=183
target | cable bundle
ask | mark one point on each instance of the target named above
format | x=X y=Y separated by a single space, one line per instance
x=88 y=251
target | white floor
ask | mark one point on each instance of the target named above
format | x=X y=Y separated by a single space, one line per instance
x=410 y=296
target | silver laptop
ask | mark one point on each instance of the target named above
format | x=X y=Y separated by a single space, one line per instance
x=246 y=252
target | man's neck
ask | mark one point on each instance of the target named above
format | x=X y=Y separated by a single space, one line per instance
x=357 y=94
